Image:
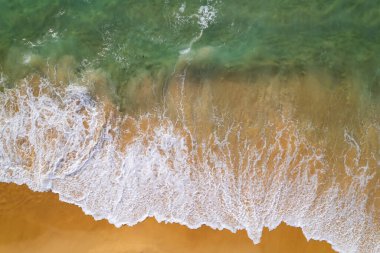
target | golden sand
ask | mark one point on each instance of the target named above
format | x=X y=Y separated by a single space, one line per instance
x=39 y=222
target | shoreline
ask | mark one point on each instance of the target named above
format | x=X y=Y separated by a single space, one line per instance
x=232 y=155
x=43 y=216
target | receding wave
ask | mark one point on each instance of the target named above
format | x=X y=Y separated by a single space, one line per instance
x=194 y=158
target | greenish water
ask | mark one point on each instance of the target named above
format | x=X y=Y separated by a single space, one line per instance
x=232 y=114
x=124 y=38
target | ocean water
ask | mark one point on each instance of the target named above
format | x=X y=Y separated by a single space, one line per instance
x=231 y=114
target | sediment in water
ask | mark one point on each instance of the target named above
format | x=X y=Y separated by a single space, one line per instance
x=227 y=151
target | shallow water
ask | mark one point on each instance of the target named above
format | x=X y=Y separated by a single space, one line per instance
x=235 y=115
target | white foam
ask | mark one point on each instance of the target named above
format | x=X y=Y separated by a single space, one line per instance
x=185 y=51
x=61 y=140
x=182 y=8
x=27 y=59
x=205 y=16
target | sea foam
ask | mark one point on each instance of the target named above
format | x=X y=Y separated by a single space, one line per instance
x=127 y=168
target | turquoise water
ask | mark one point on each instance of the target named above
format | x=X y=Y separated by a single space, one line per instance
x=124 y=38
x=232 y=114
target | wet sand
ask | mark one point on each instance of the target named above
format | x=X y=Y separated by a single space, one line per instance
x=297 y=148
x=39 y=222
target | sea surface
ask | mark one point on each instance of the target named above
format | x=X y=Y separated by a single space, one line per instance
x=236 y=115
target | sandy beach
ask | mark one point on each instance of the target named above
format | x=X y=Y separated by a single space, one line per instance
x=234 y=126
x=39 y=222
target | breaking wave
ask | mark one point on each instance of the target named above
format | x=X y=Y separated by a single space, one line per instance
x=221 y=173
